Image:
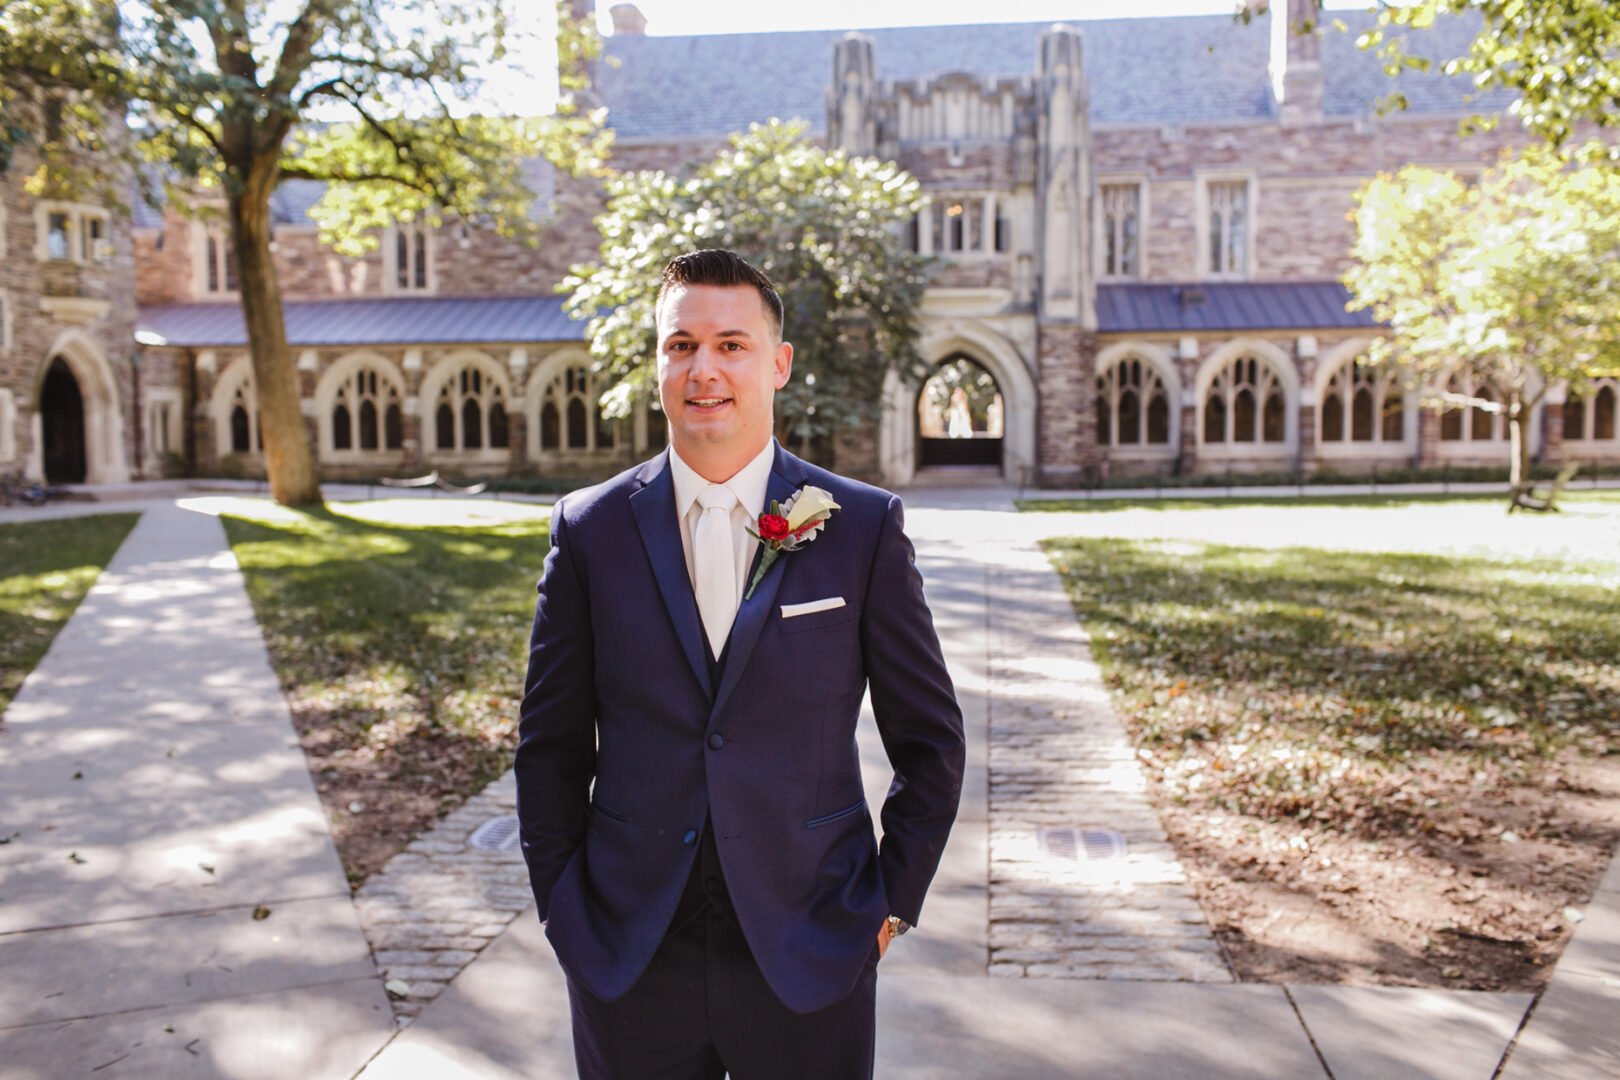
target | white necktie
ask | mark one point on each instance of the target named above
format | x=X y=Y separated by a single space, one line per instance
x=714 y=564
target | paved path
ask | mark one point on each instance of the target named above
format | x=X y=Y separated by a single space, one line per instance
x=159 y=692
x=158 y=796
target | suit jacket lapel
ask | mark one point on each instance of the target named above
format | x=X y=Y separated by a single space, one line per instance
x=654 y=509
x=753 y=613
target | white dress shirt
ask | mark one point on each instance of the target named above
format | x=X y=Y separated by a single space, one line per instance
x=748 y=485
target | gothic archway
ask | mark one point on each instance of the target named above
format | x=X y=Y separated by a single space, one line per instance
x=961 y=415
x=61 y=411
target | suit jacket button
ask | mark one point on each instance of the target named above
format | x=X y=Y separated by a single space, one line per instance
x=691 y=835
x=716 y=741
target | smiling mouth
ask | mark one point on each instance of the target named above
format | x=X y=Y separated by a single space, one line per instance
x=707 y=403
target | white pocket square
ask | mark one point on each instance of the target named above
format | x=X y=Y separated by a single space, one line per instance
x=811 y=606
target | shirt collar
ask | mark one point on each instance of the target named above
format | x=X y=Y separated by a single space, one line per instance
x=749 y=483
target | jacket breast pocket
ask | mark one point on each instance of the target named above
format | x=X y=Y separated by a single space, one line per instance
x=818 y=620
x=836 y=815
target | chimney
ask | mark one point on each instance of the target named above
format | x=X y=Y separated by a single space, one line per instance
x=628 y=21
x=1296 y=61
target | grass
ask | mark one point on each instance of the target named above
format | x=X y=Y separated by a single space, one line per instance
x=1315 y=683
x=401 y=648
x=48 y=567
x=1377 y=767
x=1105 y=504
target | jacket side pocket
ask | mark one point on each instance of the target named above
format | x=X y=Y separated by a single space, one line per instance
x=827 y=818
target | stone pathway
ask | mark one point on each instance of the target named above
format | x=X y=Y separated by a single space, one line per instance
x=1060 y=756
x=435 y=905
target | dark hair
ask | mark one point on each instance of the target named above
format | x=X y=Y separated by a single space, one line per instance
x=716 y=266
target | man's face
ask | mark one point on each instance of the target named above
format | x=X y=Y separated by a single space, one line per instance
x=719 y=367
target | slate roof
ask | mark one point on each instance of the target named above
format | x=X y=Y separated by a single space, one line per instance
x=414 y=320
x=1147 y=71
x=1227 y=306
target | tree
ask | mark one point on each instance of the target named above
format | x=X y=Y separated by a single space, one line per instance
x=1559 y=58
x=1514 y=281
x=824 y=226
x=218 y=97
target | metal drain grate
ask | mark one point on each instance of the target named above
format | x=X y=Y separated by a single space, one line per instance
x=496 y=834
x=1078 y=844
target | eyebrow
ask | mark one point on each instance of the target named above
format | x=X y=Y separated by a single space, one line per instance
x=723 y=333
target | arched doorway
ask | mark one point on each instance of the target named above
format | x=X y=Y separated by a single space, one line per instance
x=961 y=416
x=61 y=410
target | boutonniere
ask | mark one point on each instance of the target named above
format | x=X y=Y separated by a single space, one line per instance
x=789 y=526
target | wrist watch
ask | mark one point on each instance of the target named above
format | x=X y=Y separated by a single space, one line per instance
x=897 y=926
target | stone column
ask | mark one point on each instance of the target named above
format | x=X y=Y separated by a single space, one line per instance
x=1428 y=421
x=1552 y=427
x=1067 y=444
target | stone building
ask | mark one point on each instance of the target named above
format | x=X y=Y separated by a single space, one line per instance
x=1138 y=227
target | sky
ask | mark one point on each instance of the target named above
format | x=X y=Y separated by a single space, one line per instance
x=751 y=16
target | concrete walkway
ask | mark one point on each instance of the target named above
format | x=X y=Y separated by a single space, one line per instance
x=159 y=693
x=156 y=799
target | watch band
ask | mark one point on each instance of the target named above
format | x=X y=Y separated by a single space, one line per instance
x=897 y=926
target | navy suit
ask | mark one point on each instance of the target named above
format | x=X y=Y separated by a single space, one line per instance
x=621 y=691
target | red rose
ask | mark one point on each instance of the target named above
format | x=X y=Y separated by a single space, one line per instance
x=772 y=526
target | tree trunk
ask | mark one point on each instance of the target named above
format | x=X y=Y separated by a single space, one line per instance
x=1519 y=442
x=287 y=457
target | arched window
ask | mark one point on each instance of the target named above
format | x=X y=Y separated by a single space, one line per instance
x=497 y=426
x=1133 y=406
x=1574 y=418
x=364 y=395
x=1361 y=404
x=570 y=413
x=1215 y=420
x=1333 y=416
x=444 y=422
x=1451 y=420
x=578 y=429
x=1603 y=413
x=244 y=419
x=464 y=416
x=368 y=425
x=1461 y=422
x=1246 y=403
x=1361 y=416
x=550 y=426
x=340 y=428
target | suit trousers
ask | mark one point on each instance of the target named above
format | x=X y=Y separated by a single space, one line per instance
x=702 y=1010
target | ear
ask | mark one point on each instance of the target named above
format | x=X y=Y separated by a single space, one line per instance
x=784 y=364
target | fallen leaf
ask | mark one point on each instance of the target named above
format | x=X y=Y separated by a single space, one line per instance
x=398 y=988
x=205 y=868
x=261 y=913
x=74 y=855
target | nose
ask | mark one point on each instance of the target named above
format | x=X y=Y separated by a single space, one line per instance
x=705 y=363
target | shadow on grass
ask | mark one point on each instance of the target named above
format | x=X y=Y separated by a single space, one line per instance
x=401 y=649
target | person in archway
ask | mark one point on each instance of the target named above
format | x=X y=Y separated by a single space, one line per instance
x=689 y=788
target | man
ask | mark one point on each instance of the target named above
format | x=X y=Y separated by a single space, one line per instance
x=717 y=899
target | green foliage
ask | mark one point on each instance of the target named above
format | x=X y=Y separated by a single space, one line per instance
x=1559 y=58
x=231 y=97
x=49 y=566
x=823 y=225
x=1344 y=687
x=1514 y=279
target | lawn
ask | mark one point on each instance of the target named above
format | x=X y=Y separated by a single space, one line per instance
x=1181 y=500
x=47 y=567
x=400 y=644
x=1378 y=766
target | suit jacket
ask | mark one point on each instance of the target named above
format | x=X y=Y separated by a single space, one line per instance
x=618 y=692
